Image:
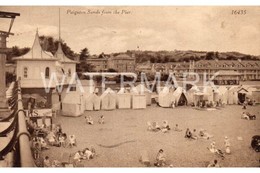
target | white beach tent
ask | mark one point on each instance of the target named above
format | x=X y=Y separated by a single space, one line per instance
x=251 y=90
x=108 y=100
x=73 y=104
x=208 y=93
x=223 y=94
x=179 y=97
x=242 y=93
x=233 y=95
x=92 y=102
x=123 y=99
x=190 y=94
x=138 y=100
x=165 y=97
x=141 y=89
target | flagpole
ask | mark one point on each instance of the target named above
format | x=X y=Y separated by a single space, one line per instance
x=59 y=26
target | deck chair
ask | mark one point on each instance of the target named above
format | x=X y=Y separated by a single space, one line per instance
x=79 y=165
x=65 y=159
x=39 y=122
x=144 y=158
x=48 y=122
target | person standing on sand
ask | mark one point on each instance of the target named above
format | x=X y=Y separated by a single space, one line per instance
x=101 y=120
x=227 y=145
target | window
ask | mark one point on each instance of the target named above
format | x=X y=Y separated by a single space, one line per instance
x=47 y=73
x=69 y=73
x=25 y=72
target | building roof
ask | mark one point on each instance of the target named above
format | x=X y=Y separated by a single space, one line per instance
x=62 y=57
x=228 y=73
x=122 y=56
x=230 y=64
x=36 y=83
x=36 y=52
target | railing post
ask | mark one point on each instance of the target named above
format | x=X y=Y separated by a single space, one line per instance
x=26 y=158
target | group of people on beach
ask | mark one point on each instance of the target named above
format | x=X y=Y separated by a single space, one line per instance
x=85 y=154
x=44 y=138
x=90 y=121
x=209 y=104
x=165 y=127
x=203 y=134
x=219 y=152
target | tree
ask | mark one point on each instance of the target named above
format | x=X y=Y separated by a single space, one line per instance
x=111 y=70
x=102 y=55
x=166 y=59
x=49 y=44
x=152 y=60
x=216 y=55
x=84 y=54
x=209 y=55
x=172 y=60
x=15 y=52
x=231 y=57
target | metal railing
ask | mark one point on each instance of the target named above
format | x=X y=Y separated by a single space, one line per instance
x=26 y=157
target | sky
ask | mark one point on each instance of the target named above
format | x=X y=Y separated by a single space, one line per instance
x=117 y=29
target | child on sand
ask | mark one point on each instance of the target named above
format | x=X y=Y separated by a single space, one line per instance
x=87 y=154
x=188 y=133
x=203 y=134
x=77 y=156
x=160 y=158
x=46 y=162
x=89 y=120
x=51 y=138
x=194 y=134
x=214 y=164
x=176 y=128
x=72 y=140
x=227 y=145
x=101 y=119
x=165 y=126
x=213 y=149
x=37 y=150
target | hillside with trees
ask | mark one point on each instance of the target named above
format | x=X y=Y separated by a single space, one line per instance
x=180 y=56
x=50 y=44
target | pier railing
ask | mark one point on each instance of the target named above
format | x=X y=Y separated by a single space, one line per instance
x=26 y=157
x=21 y=137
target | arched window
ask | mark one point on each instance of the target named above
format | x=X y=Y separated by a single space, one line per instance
x=69 y=73
x=25 y=72
x=47 y=73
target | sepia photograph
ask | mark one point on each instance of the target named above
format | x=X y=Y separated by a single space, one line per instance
x=130 y=86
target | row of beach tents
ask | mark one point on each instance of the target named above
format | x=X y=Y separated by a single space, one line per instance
x=227 y=95
x=75 y=103
x=139 y=97
x=177 y=97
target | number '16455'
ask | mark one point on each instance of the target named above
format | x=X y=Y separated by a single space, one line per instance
x=238 y=12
